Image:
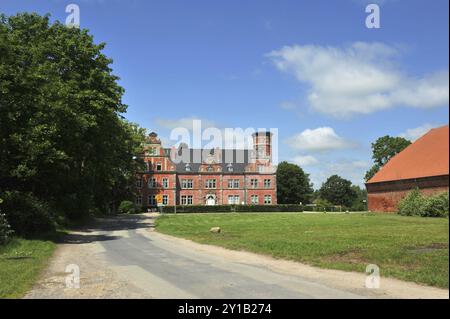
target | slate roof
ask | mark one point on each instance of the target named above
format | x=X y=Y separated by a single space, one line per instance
x=238 y=158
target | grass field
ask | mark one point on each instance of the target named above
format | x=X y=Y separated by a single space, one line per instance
x=21 y=261
x=408 y=248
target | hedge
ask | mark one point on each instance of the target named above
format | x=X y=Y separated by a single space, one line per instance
x=231 y=209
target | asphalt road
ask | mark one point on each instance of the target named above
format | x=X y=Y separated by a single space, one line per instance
x=122 y=258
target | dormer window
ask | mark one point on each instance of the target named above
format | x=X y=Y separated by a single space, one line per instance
x=210 y=168
x=187 y=168
x=230 y=167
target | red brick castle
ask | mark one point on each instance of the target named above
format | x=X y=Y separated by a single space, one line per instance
x=208 y=177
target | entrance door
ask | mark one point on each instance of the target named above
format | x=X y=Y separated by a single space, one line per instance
x=210 y=200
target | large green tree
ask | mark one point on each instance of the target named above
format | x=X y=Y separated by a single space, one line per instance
x=383 y=149
x=338 y=191
x=62 y=134
x=293 y=184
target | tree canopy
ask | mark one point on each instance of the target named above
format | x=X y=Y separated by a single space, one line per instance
x=293 y=184
x=338 y=191
x=62 y=133
x=383 y=149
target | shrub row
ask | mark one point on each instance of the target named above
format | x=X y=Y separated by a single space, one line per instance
x=415 y=204
x=26 y=214
x=232 y=209
x=5 y=228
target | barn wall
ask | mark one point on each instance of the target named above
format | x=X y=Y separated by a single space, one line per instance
x=384 y=197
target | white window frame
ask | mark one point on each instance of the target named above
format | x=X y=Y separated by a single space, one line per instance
x=187 y=183
x=233 y=199
x=165 y=199
x=152 y=200
x=165 y=182
x=152 y=183
x=211 y=183
x=267 y=183
x=139 y=200
x=267 y=199
x=158 y=166
x=139 y=182
x=254 y=199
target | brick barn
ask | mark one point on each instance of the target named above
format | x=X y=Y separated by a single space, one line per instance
x=208 y=177
x=424 y=165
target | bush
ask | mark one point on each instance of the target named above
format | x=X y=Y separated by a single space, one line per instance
x=436 y=206
x=412 y=204
x=234 y=208
x=5 y=228
x=415 y=204
x=127 y=207
x=26 y=214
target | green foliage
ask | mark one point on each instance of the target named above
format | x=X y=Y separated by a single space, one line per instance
x=415 y=204
x=383 y=149
x=127 y=207
x=62 y=135
x=233 y=208
x=5 y=228
x=360 y=202
x=387 y=147
x=293 y=184
x=371 y=172
x=26 y=214
x=338 y=191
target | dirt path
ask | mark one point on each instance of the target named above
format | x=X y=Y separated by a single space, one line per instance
x=124 y=258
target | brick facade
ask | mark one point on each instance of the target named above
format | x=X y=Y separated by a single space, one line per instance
x=385 y=196
x=212 y=181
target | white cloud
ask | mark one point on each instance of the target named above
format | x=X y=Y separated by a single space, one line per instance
x=306 y=160
x=319 y=139
x=353 y=170
x=359 y=79
x=413 y=134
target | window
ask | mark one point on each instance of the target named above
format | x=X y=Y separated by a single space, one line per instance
x=165 y=183
x=267 y=183
x=187 y=184
x=152 y=200
x=139 y=200
x=210 y=169
x=254 y=199
x=152 y=183
x=254 y=183
x=233 y=183
x=188 y=168
x=149 y=166
x=152 y=151
x=233 y=199
x=186 y=200
x=210 y=183
x=139 y=183
x=158 y=166
x=165 y=199
x=267 y=199
x=230 y=167
x=260 y=168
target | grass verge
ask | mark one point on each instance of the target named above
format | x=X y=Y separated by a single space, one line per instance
x=21 y=261
x=407 y=248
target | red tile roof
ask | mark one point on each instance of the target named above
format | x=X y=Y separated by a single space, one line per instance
x=428 y=156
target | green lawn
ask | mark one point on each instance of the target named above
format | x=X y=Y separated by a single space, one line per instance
x=21 y=261
x=408 y=248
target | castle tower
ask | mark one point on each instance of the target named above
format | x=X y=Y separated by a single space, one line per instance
x=262 y=145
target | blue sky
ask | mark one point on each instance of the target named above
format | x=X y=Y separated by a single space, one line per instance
x=309 y=68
